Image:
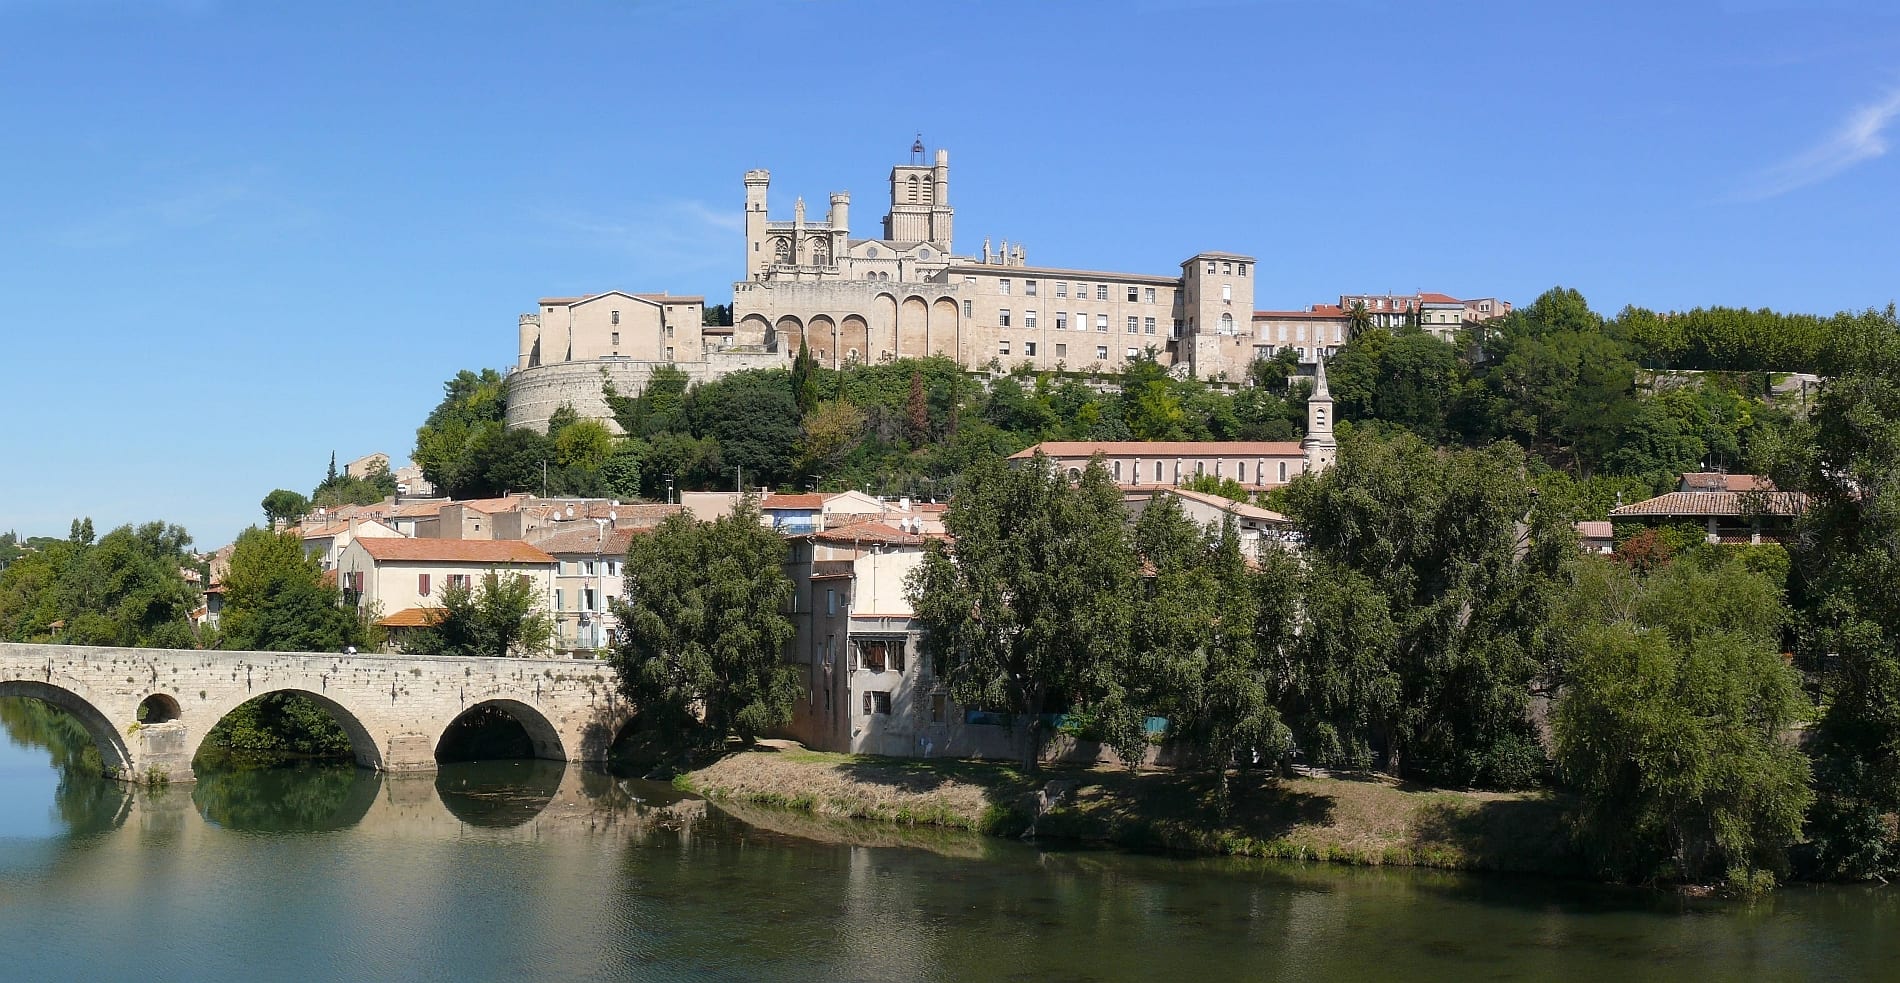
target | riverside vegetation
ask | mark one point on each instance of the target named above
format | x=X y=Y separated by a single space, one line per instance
x=1439 y=626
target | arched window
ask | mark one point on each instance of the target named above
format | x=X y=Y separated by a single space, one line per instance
x=914 y=184
x=1226 y=324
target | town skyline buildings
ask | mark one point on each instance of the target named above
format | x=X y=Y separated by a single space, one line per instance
x=250 y=237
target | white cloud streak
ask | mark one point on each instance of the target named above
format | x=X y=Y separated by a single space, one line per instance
x=1861 y=138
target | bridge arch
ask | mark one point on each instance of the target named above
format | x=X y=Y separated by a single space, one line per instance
x=362 y=743
x=111 y=744
x=542 y=735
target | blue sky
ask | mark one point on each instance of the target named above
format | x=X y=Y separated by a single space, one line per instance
x=239 y=236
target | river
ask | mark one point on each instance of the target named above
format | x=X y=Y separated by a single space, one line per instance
x=533 y=870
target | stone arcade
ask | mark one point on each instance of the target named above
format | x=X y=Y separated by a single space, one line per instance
x=395 y=709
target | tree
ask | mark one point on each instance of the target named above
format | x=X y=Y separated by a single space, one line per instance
x=702 y=629
x=1846 y=457
x=1673 y=728
x=122 y=589
x=1224 y=486
x=1358 y=320
x=1033 y=603
x=1432 y=571
x=471 y=413
x=917 y=411
x=831 y=430
x=284 y=505
x=499 y=618
x=754 y=419
x=276 y=599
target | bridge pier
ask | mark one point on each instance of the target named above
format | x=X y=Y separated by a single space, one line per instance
x=395 y=709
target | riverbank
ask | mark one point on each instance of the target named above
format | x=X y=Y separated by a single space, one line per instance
x=1367 y=820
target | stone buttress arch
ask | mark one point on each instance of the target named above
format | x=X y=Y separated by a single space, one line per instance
x=112 y=748
x=883 y=328
x=945 y=323
x=363 y=744
x=541 y=732
x=913 y=327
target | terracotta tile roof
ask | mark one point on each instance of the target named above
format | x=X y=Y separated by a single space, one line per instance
x=811 y=501
x=1438 y=299
x=492 y=506
x=419 y=510
x=1240 y=509
x=412 y=618
x=1164 y=448
x=1720 y=481
x=1593 y=529
x=583 y=537
x=337 y=528
x=1327 y=311
x=454 y=550
x=869 y=532
x=1700 y=504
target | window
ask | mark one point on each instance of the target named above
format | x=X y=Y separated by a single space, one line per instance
x=616 y=318
x=455 y=580
x=1134 y=294
x=1226 y=267
x=1227 y=292
x=1210 y=266
x=867 y=704
x=669 y=353
x=1002 y=286
x=587 y=568
x=1062 y=288
x=1101 y=353
x=617 y=338
x=879 y=654
x=1147 y=325
x=560 y=600
x=1148 y=295
x=1283 y=472
x=669 y=331
x=831 y=601
x=1062 y=351
x=1029 y=320
x=1134 y=324
x=1242 y=268
x=1177 y=328
x=880 y=702
x=422 y=585
x=1101 y=322
x=939 y=708
x=1157 y=472
x=1062 y=320
x=1029 y=348
x=587 y=599
x=1299 y=332
x=970 y=280
x=1002 y=347
x=1029 y=288
x=1133 y=351
x=1226 y=323
x=1118 y=470
x=969 y=309
x=1101 y=291
x=1002 y=318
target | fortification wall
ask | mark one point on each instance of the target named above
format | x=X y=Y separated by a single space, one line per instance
x=536 y=392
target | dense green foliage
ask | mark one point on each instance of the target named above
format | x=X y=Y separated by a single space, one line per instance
x=126 y=588
x=1846 y=456
x=499 y=617
x=703 y=629
x=1034 y=603
x=1429 y=574
x=282 y=723
x=276 y=599
x=1673 y=727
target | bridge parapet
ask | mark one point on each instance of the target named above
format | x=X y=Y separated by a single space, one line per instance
x=394 y=708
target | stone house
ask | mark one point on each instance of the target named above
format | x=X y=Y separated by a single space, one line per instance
x=1731 y=508
x=396 y=578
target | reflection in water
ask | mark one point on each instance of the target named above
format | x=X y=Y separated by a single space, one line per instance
x=536 y=870
x=297 y=797
x=498 y=794
x=85 y=803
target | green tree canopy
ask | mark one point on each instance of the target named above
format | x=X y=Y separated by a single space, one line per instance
x=276 y=599
x=703 y=633
x=502 y=616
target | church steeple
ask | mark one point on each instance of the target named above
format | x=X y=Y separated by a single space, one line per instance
x=1319 y=445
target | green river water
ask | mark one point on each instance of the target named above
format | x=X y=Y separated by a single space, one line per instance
x=538 y=871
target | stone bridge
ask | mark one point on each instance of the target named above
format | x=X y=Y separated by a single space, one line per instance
x=395 y=709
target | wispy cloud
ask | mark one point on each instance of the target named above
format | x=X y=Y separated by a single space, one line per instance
x=1862 y=137
x=229 y=203
x=671 y=236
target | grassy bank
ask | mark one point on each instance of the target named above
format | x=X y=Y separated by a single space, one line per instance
x=1358 y=820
